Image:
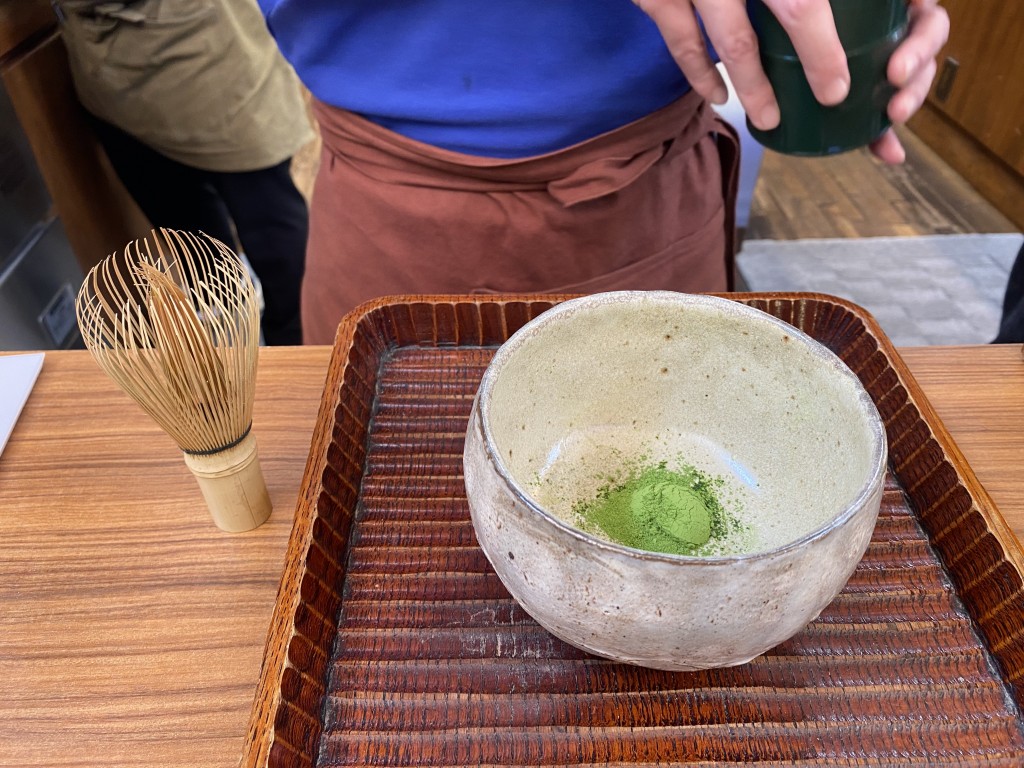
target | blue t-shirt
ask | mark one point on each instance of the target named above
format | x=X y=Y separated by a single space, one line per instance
x=510 y=78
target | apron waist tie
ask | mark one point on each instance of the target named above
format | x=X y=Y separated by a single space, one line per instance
x=586 y=171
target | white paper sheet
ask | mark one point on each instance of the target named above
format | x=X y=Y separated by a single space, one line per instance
x=18 y=375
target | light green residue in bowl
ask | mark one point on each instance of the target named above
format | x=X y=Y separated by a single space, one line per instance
x=661 y=510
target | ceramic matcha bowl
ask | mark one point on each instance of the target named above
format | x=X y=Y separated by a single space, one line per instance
x=746 y=452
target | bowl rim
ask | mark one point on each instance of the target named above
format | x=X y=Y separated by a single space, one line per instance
x=482 y=402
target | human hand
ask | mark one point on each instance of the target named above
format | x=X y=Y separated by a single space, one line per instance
x=912 y=69
x=811 y=28
x=808 y=23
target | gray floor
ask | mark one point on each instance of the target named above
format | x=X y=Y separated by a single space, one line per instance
x=943 y=289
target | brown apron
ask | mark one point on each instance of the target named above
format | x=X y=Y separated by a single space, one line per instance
x=647 y=206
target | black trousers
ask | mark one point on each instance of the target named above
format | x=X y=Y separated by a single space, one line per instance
x=263 y=208
x=1011 y=327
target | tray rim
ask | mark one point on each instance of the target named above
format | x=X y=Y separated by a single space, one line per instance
x=267 y=698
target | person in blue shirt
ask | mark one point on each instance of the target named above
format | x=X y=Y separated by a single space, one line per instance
x=542 y=147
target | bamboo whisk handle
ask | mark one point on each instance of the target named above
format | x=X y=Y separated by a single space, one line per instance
x=232 y=484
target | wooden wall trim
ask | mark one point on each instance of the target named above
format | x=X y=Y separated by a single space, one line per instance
x=98 y=214
x=997 y=182
x=23 y=22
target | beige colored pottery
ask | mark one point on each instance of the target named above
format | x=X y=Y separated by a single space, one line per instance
x=599 y=382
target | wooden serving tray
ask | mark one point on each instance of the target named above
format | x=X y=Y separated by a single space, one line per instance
x=394 y=643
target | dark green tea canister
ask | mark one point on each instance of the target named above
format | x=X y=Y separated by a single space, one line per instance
x=870 y=30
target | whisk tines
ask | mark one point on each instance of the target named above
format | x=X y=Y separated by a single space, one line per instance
x=174 y=321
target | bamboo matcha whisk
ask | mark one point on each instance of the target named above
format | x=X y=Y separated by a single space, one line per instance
x=174 y=321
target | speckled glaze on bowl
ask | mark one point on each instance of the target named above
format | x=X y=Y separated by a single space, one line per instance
x=633 y=365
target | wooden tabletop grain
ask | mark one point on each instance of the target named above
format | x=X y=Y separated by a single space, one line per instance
x=131 y=629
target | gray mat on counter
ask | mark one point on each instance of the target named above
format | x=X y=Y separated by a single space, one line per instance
x=941 y=289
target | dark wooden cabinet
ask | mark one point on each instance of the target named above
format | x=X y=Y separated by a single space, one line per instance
x=985 y=96
x=974 y=117
x=20 y=20
x=98 y=215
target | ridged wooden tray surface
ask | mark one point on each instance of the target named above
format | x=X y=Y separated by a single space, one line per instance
x=394 y=643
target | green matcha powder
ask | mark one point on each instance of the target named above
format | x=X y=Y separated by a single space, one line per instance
x=661 y=510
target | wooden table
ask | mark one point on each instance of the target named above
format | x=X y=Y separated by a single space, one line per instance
x=131 y=629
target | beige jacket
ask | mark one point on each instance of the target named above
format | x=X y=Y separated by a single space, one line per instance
x=201 y=81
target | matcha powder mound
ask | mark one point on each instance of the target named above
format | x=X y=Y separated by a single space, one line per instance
x=660 y=510
x=672 y=509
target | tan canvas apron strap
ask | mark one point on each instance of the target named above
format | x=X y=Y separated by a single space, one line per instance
x=586 y=171
x=729 y=156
